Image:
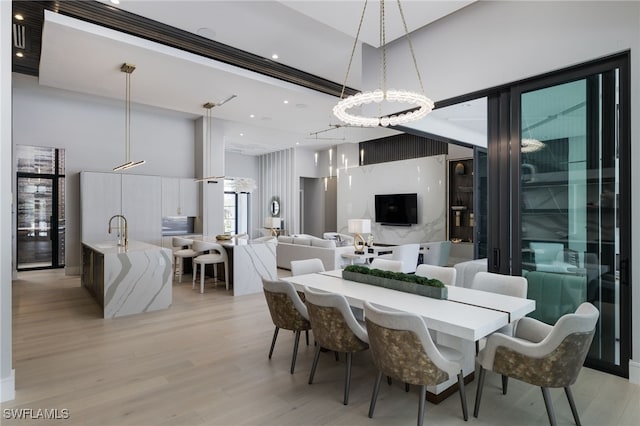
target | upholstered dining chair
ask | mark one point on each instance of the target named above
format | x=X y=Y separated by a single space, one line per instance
x=509 y=285
x=306 y=266
x=401 y=347
x=181 y=250
x=443 y=273
x=407 y=253
x=209 y=253
x=335 y=328
x=386 y=264
x=542 y=355
x=287 y=312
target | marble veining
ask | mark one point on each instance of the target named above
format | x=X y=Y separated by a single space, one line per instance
x=425 y=176
x=134 y=281
x=251 y=263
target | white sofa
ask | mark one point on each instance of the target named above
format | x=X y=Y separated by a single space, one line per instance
x=299 y=247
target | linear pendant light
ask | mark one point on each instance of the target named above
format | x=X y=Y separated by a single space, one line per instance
x=127 y=69
x=207 y=145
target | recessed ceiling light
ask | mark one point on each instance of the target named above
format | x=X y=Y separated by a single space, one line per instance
x=18 y=17
x=252 y=116
x=20 y=55
x=115 y=1
x=286 y=101
x=274 y=56
x=297 y=143
x=241 y=134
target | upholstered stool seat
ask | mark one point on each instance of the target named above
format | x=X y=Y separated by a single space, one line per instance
x=216 y=254
x=181 y=250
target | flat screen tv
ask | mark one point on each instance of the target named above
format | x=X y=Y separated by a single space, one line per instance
x=397 y=209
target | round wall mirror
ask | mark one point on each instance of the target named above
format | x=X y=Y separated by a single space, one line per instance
x=274 y=207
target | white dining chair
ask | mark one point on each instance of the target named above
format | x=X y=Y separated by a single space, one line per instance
x=216 y=254
x=407 y=254
x=443 y=273
x=306 y=266
x=387 y=264
x=181 y=250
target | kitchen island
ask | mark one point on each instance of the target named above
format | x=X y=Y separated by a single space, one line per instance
x=127 y=281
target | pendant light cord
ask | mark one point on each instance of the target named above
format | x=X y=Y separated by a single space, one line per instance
x=353 y=50
x=127 y=118
x=413 y=55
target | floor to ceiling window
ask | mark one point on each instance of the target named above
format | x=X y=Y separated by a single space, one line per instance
x=562 y=142
x=40 y=183
x=236 y=209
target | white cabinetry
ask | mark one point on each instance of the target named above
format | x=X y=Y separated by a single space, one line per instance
x=141 y=205
x=99 y=200
x=137 y=197
x=179 y=197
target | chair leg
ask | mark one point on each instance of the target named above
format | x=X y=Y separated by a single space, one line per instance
x=407 y=387
x=347 y=378
x=505 y=383
x=476 y=408
x=316 y=356
x=306 y=333
x=549 y=406
x=195 y=272
x=295 y=351
x=389 y=380
x=202 y=274
x=374 y=396
x=181 y=261
x=226 y=275
x=463 y=396
x=423 y=397
x=273 y=341
x=337 y=355
x=572 y=404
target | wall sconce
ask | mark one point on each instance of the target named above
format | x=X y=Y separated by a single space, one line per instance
x=315 y=158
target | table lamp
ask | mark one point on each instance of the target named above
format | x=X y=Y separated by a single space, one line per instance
x=358 y=227
x=272 y=223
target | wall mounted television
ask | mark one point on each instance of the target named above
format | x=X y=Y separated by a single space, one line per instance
x=397 y=209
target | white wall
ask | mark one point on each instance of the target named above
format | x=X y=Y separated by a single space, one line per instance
x=7 y=378
x=93 y=139
x=425 y=176
x=491 y=43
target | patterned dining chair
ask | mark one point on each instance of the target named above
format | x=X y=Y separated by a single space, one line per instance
x=335 y=328
x=542 y=355
x=287 y=312
x=402 y=348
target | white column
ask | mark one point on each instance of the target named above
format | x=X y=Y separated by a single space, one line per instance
x=210 y=161
x=7 y=376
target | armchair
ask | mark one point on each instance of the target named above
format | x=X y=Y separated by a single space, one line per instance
x=542 y=355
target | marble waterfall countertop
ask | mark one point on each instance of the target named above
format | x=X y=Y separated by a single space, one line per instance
x=126 y=282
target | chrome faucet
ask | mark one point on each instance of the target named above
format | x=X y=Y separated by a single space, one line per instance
x=126 y=230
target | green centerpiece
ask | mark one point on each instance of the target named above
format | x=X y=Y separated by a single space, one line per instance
x=408 y=283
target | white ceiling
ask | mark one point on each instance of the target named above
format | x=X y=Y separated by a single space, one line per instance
x=313 y=36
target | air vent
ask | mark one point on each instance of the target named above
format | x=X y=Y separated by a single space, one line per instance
x=19 y=39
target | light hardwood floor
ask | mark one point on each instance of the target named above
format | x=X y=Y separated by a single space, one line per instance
x=204 y=362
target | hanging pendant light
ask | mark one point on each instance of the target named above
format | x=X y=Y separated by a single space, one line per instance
x=127 y=69
x=420 y=105
x=207 y=146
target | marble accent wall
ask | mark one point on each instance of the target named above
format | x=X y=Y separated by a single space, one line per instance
x=425 y=176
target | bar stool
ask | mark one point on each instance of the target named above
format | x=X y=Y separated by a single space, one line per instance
x=181 y=250
x=217 y=254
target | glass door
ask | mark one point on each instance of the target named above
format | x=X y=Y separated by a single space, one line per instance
x=570 y=220
x=41 y=214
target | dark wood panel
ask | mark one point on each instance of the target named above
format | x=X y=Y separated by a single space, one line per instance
x=400 y=147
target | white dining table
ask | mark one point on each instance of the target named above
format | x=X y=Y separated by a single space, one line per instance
x=458 y=322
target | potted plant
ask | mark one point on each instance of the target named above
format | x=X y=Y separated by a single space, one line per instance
x=408 y=283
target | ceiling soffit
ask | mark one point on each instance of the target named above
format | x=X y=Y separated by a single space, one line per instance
x=129 y=23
